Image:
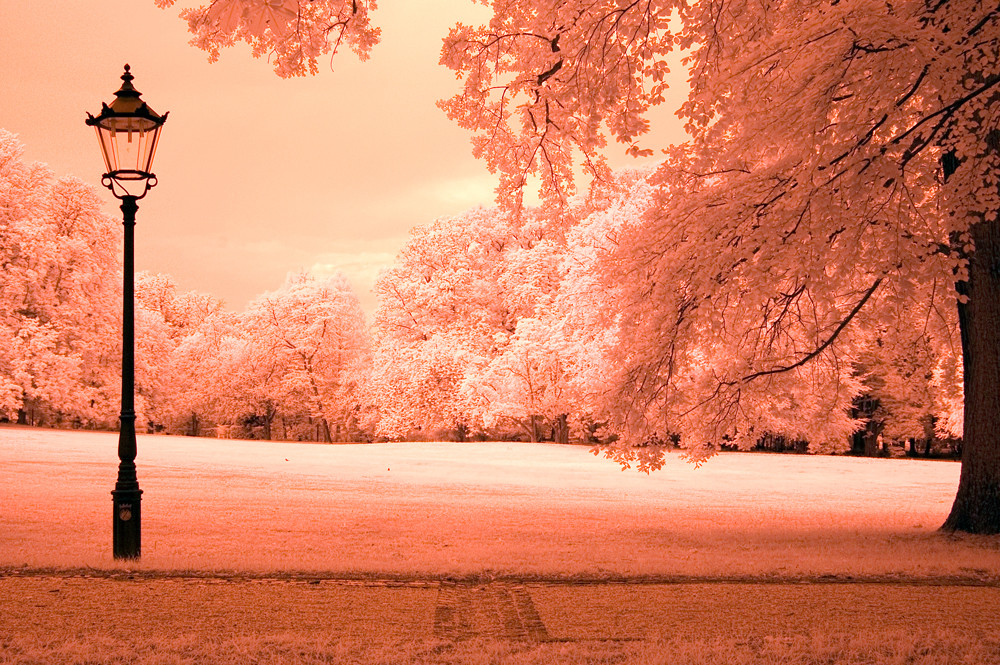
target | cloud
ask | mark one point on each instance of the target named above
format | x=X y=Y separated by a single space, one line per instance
x=360 y=268
x=464 y=192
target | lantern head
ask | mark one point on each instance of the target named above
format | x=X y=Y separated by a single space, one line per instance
x=128 y=131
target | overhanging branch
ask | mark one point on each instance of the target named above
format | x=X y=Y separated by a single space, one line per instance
x=822 y=347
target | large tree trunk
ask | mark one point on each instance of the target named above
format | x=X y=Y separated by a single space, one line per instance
x=977 y=504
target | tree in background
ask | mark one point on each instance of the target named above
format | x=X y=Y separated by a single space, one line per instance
x=309 y=338
x=440 y=309
x=300 y=353
x=913 y=374
x=454 y=345
x=57 y=297
x=201 y=369
x=165 y=319
x=290 y=366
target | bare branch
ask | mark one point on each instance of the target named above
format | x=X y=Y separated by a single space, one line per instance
x=822 y=347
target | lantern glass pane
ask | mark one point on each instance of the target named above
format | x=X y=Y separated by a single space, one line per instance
x=128 y=145
x=107 y=150
x=152 y=136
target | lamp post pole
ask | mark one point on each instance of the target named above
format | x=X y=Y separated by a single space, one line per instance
x=128 y=131
x=127 y=537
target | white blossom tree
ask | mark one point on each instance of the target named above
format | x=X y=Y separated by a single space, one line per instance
x=454 y=332
x=310 y=341
x=205 y=386
x=60 y=270
x=844 y=155
x=440 y=309
x=293 y=33
x=167 y=389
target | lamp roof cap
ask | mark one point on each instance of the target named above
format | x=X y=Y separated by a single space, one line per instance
x=127 y=103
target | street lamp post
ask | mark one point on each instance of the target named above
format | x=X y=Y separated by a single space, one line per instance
x=128 y=131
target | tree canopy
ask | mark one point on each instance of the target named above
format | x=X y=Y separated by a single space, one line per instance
x=839 y=193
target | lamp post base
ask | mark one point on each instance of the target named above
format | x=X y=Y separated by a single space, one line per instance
x=127 y=523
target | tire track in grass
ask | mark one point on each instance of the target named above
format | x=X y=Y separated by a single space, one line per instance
x=498 y=610
x=454 y=611
x=528 y=614
x=452 y=619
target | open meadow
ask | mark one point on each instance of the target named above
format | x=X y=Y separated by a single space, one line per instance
x=270 y=552
x=479 y=509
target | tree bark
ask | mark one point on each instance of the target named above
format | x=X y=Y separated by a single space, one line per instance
x=531 y=427
x=865 y=441
x=928 y=424
x=560 y=429
x=977 y=503
x=871 y=441
x=269 y=413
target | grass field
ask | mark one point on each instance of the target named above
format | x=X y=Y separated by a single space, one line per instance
x=239 y=537
x=478 y=509
x=882 y=648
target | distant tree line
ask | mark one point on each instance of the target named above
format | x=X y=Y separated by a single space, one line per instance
x=490 y=325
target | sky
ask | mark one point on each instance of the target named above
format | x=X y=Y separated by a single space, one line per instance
x=258 y=176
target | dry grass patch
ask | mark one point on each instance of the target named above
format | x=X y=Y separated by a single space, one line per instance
x=877 y=647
